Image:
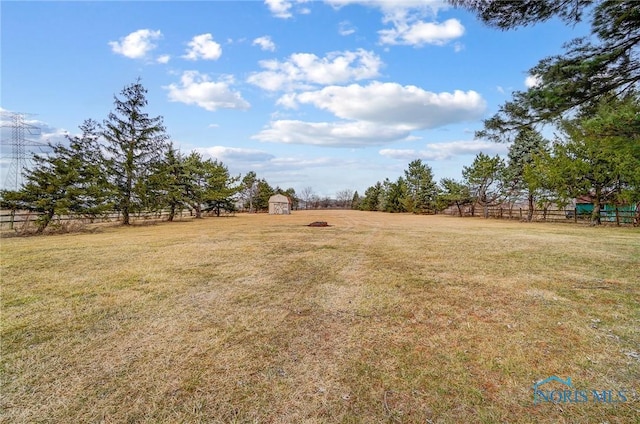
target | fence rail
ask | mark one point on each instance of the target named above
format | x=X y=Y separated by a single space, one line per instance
x=22 y=219
x=616 y=216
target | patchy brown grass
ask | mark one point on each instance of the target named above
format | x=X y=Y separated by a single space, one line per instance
x=378 y=318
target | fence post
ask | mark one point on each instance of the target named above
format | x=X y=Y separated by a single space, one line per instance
x=575 y=215
x=617 y=217
x=520 y=214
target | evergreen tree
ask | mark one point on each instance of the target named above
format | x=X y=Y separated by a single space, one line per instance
x=421 y=189
x=291 y=194
x=355 y=201
x=526 y=146
x=588 y=160
x=394 y=195
x=454 y=193
x=372 y=198
x=136 y=144
x=169 y=181
x=589 y=70
x=264 y=192
x=484 y=177
x=70 y=180
x=208 y=185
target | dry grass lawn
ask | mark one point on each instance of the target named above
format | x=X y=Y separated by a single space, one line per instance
x=378 y=318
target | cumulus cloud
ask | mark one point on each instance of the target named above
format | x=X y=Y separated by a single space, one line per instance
x=375 y=114
x=165 y=58
x=408 y=24
x=329 y=134
x=279 y=8
x=420 y=33
x=302 y=70
x=282 y=8
x=443 y=151
x=237 y=154
x=203 y=47
x=265 y=43
x=406 y=107
x=137 y=44
x=196 y=88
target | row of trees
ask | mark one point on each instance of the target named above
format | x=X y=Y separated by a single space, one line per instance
x=128 y=164
x=592 y=155
x=588 y=94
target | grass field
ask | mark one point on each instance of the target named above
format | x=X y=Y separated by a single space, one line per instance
x=378 y=318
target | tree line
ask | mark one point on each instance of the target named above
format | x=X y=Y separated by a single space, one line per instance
x=128 y=164
x=592 y=155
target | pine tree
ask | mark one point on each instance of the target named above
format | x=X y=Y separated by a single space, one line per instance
x=209 y=185
x=484 y=177
x=168 y=182
x=70 y=180
x=454 y=193
x=527 y=144
x=136 y=143
x=421 y=189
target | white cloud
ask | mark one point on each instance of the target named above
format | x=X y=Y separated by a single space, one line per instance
x=330 y=134
x=420 y=33
x=345 y=28
x=279 y=8
x=196 y=88
x=165 y=58
x=394 y=7
x=237 y=154
x=405 y=107
x=443 y=151
x=265 y=43
x=301 y=70
x=137 y=44
x=375 y=114
x=282 y=8
x=203 y=47
x=408 y=26
x=532 y=81
x=500 y=89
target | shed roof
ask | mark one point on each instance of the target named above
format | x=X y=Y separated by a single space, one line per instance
x=278 y=198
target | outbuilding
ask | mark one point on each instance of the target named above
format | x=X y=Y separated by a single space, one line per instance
x=279 y=205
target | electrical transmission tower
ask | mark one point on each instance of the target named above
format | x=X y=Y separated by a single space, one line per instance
x=20 y=156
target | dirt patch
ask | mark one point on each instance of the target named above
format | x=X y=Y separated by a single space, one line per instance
x=319 y=224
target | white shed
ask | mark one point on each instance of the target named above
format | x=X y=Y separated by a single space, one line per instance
x=279 y=205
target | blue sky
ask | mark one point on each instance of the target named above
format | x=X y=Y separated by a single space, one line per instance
x=334 y=94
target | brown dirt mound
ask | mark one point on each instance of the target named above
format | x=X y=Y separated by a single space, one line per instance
x=319 y=224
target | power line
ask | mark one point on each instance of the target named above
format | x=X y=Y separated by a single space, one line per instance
x=20 y=156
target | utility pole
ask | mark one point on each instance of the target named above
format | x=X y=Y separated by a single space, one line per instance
x=20 y=156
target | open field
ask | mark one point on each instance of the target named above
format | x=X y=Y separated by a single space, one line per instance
x=378 y=318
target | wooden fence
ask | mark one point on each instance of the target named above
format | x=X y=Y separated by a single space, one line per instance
x=616 y=217
x=10 y=220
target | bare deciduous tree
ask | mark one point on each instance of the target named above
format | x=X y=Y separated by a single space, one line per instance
x=344 y=198
x=306 y=194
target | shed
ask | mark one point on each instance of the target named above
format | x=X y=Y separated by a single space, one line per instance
x=279 y=205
